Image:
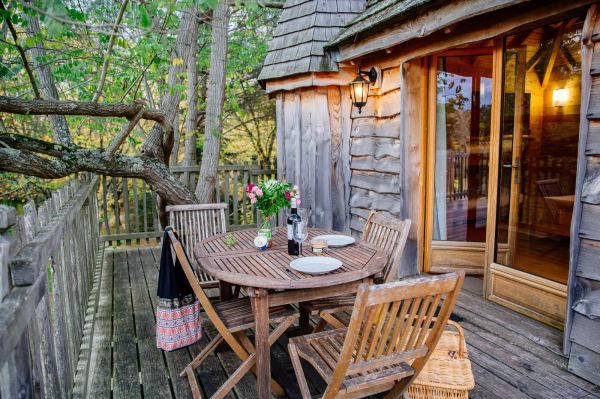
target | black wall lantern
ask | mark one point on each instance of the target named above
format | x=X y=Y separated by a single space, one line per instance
x=359 y=87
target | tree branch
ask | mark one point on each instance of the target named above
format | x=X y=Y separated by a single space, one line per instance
x=120 y=138
x=21 y=51
x=267 y=4
x=52 y=107
x=23 y=157
x=111 y=43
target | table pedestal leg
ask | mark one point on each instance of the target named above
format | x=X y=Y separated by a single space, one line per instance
x=260 y=299
x=225 y=290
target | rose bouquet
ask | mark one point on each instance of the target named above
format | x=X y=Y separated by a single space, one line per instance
x=271 y=196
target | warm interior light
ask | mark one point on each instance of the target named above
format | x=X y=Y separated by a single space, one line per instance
x=359 y=92
x=560 y=97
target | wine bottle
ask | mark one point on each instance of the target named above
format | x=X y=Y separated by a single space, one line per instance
x=293 y=245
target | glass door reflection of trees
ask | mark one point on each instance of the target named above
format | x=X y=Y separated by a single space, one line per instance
x=539 y=137
x=463 y=111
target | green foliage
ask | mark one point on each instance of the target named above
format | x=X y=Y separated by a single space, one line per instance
x=17 y=189
x=75 y=35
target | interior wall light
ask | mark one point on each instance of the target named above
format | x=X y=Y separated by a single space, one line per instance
x=560 y=97
x=359 y=87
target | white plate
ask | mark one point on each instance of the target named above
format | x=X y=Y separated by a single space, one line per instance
x=315 y=264
x=337 y=240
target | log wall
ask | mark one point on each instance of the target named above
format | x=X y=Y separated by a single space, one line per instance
x=582 y=328
x=47 y=261
x=386 y=153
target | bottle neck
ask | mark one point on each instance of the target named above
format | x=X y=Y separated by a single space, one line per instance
x=294 y=206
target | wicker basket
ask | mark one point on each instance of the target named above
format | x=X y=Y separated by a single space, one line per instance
x=447 y=373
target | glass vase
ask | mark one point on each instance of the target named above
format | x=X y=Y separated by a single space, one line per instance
x=267 y=227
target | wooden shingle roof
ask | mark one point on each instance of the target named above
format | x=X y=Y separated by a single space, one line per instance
x=305 y=26
x=377 y=12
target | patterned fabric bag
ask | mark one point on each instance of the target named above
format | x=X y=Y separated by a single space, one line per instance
x=178 y=318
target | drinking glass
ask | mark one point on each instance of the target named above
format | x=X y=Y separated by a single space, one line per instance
x=300 y=232
x=303 y=213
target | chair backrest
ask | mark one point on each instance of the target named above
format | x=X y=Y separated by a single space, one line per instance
x=196 y=222
x=550 y=188
x=390 y=234
x=394 y=323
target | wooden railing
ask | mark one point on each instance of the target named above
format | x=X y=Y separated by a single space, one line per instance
x=128 y=206
x=457 y=175
x=47 y=263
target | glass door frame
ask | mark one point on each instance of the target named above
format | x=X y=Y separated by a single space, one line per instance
x=515 y=289
x=473 y=249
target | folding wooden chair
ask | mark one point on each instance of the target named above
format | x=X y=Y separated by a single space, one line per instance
x=391 y=335
x=196 y=222
x=386 y=232
x=230 y=319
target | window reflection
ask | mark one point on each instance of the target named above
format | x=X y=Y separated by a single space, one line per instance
x=539 y=138
x=463 y=112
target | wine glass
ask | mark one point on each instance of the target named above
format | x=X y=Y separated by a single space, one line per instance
x=303 y=213
x=300 y=232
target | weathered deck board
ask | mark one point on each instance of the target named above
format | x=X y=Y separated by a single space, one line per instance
x=125 y=358
x=512 y=356
x=100 y=361
x=155 y=380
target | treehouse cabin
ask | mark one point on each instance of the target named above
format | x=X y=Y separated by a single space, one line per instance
x=478 y=120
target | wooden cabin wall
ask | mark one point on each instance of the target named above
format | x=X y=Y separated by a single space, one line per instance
x=349 y=163
x=376 y=152
x=313 y=137
x=582 y=329
x=385 y=154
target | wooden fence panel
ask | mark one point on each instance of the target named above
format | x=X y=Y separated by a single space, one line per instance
x=49 y=253
x=129 y=214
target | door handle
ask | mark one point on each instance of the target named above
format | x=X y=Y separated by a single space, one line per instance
x=515 y=167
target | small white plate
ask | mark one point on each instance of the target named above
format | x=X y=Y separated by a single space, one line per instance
x=315 y=264
x=337 y=240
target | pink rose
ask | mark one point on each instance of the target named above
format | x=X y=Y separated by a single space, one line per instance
x=249 y=187
x=253 y=200
x=259 y=193
x=251 y=196
x=287 y=195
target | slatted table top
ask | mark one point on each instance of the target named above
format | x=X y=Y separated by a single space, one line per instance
x=243 y=264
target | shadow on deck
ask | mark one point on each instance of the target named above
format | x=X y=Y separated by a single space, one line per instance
x=512 y=356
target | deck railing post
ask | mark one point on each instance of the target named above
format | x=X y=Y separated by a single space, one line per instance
x=8 y=245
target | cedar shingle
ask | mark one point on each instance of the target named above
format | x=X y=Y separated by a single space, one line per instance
x=304 y=27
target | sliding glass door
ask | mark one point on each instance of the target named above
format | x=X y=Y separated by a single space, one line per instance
x=538 y=139
x=459 y=149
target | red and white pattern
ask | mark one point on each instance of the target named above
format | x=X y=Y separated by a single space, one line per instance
x=178 y=327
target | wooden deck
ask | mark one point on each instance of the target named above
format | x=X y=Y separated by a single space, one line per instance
x=512 y=356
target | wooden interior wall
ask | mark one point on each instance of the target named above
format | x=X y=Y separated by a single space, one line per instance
x=582 y=329
x=313 y=137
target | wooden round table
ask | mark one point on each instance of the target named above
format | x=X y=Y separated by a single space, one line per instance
x=269 y=281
